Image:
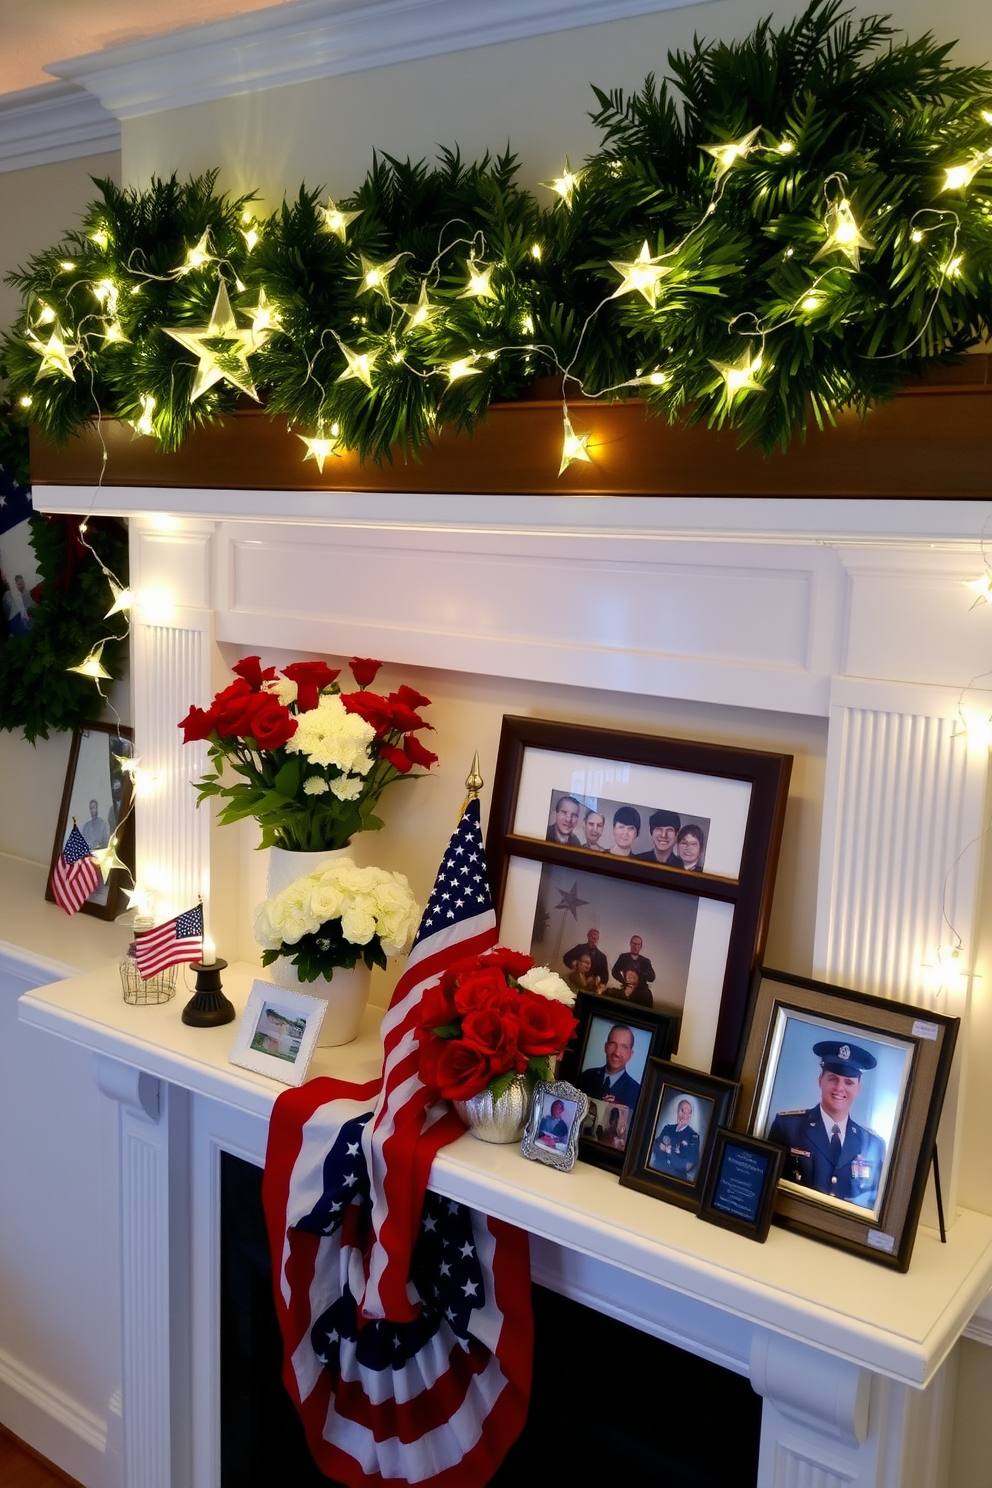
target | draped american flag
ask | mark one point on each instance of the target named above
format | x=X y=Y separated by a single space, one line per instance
x=406 y=1317
x=76 y=874
x=177 y=940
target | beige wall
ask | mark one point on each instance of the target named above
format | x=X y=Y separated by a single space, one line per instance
x=535 y=94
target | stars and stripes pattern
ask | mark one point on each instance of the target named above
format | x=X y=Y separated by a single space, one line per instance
x=170 y=944
x=406 y=1317
x=75 y=874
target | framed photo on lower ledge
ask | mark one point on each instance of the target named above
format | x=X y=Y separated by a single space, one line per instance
x=850 y=1087
x=675 y=1127
x=97 y=798
x=278 y=1032
x=739 y=1188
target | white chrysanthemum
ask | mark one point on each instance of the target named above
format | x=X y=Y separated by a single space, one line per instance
x=547 y=983
x=286 y=917
x=284 y=688
x=358 y=923
x=347 y=787
x=330 y=735
x=315 y=785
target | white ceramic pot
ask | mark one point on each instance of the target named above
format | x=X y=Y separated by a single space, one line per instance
x=347 y=993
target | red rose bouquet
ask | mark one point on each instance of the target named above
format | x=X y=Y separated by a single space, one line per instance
x=490 y=1018
x=314 y=759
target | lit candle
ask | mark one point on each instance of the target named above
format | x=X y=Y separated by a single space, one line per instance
x=209 y=952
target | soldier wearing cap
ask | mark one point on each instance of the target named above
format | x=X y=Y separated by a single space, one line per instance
x=825 y=1149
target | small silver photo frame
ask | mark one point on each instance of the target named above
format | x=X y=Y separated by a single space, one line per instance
x=278 y=1033
x=553 y=1126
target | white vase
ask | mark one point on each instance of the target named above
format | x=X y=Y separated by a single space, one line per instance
x=347 y=993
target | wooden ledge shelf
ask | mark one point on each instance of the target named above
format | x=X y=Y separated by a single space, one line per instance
x=934 y=440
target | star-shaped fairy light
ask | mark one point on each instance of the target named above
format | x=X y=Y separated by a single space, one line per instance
x=570 y=900
x=93 y=665
x=320 y=447
x=139 y=899
x=643 y=275
x=360 y=364
x=375 y=276
x=225 y=360
x=423 y=312
x=573 y=448
x=981 y=588
x=843 y=233
x=106 y=859
x=128 y=763
x=198 y=255
x=738 y=377
x=123 y=599
x=478 y=287
x=145 y=424
x=336 y=221
x=56 y=355
x=264 y=318
x=565 y=184
x=727 y=156
x=960 y=177
x=463 y=367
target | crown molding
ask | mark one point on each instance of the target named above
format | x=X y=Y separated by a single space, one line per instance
x=52 y=122
x=308 y=39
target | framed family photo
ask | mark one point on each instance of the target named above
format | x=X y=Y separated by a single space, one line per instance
x=677 y=1119
x=607 y=1060
x=556 y=1116
x=97 y=798
x=850 y=1087
x=278 y=1032
x=641 y=868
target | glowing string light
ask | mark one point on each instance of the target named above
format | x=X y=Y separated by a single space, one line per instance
x=336 y=221
x=375 y=276
x=56 y=354
x=739 y=377
x=478 y=287
x=421 y=313
x=228 y=362
x=727 y=155
x=463 y=367
x=565 y=184
x=93 y=666
x=123 y=599
x=574 y=447
x=843 y=233
x=320 y=447
x=642 y=276
x=360 y=364
x=107 y=860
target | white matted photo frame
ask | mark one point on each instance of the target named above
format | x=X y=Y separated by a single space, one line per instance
x=278 y=1032
x=585 y=855
x=97 y=796
x=850 y=1087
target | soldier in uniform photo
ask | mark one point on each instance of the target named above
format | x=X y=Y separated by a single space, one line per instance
x=826 y=1149
x=676 y=1147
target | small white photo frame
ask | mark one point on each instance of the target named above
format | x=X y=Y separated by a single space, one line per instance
x=278 y=1033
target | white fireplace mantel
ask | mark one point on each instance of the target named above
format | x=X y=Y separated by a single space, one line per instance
x=853 y=1363
x=853 y=612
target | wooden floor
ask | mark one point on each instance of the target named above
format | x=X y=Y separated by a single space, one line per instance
x=21 y=1468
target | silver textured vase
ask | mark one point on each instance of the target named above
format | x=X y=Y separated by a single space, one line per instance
x=500 y=1120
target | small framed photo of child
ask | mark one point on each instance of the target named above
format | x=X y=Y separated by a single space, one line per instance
x=552 y=1134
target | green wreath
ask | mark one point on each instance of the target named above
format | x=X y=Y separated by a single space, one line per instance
x=37 y=693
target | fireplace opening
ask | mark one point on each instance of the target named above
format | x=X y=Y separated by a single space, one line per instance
x=608 y=1401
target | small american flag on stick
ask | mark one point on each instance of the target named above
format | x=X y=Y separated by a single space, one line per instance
x=76 y=874
x=178 y=940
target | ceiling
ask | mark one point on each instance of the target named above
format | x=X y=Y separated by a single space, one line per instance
x=33 y=32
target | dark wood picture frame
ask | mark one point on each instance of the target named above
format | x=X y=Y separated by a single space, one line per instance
x=748 y=893
x=665 y=1082
x=922 y=1047
x=661 y=1031
x=720 y=1207
x=119 y=805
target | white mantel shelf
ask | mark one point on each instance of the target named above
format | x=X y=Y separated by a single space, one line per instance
x=901 y=1326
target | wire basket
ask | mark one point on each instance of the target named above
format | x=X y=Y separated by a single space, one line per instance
x=146 y=991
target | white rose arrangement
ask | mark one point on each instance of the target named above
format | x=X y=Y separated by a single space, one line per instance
x=335 y=917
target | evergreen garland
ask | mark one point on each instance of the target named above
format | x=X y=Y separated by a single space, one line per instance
x=37 y=693
x=841 y=110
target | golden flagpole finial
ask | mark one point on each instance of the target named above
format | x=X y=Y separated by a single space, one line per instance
x=473 y=784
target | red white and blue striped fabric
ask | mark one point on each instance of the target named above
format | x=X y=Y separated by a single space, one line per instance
x=406 y=1317
x=76 y=874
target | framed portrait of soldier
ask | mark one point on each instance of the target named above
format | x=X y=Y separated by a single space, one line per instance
x=607 y=1060
x=678 y=1115
x=850 y=1088
x=640 y=867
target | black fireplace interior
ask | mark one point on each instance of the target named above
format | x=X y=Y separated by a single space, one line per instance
x=609 y=1403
